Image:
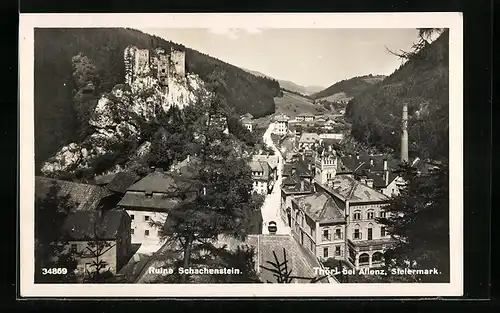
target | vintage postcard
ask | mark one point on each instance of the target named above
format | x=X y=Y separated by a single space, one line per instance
x=241 y=155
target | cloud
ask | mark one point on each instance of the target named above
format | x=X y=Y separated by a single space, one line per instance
x=234 y=33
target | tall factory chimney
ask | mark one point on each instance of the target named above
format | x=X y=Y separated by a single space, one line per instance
x=404 y=134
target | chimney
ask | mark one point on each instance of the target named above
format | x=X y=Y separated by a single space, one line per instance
x=357 y=156
x=404 y=134
x=302 y=185
x=294 y=170
x=369 y=182
x=187 y=158
x=152 y=168
x=371 y=162
x=385 y=164
x=386 y=178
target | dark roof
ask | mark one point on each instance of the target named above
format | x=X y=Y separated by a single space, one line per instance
x=379 y=178
x=134 y=199
x=260 y=166
x=118 y=182
x=350 y=189
x=85 y=225
x=306 y=115
x=356 y=163
x=296 y=184
x=85 y=197
x=300 y=166
x=157 y=181
x=300 y=261
x=320 y=207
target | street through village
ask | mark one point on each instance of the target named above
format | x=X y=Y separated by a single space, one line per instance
x=271 y=207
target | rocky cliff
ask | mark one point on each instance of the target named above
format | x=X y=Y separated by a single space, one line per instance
x=122 y=116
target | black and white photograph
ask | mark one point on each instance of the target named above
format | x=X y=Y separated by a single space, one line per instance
x=214 y=154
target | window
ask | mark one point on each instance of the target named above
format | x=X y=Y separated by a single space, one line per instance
x=325 y=252
x=132 y=216
x=149 y=194
x=382 y=214
x=163 y=70
x=132 y=231
x=74 y=247
x=326 y=235
x=146 y=218
x=146 y=232
x=370 y=233
x=338 y=233
x=357 y=234
x=337 y=250
x=382 y=231
x=370 y=215
x=159 y=233
x=356 y=216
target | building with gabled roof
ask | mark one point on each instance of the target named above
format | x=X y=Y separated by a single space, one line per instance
x=281 y=124
x=318 y=224
x=262 y=177
x=148 y=202
x=366 y=239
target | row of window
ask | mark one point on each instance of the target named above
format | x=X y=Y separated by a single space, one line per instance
x=337 y=234
x=357 y=234
x=369 y=215
x=146 y=232
x=146 y=217
x=326 y=252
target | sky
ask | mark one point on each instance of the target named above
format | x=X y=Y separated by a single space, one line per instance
x=308 y=57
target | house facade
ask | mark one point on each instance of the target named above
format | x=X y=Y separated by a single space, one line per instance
x=281 y=125
x=261 y=176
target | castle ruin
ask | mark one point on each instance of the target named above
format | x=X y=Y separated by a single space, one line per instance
x=141 y=62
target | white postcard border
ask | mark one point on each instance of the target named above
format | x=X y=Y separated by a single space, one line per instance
x=28 y=22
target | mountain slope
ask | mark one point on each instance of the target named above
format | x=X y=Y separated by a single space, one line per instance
x=55 y=116
x=288 y=85
x=422 y=82
x=348 y=88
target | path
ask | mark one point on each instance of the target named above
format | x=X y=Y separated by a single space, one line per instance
x=272 y=203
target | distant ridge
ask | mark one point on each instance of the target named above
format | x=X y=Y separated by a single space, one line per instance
x=289 y=85
x=347 y=89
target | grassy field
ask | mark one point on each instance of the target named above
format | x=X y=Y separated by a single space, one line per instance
x=291 y=105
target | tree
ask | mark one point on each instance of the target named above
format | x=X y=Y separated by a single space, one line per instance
x=214 y=191
x=97 y=247
x=50 y=246
x=419 y=223
x=86 y=81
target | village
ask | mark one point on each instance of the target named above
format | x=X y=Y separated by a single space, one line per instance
x=321 y=205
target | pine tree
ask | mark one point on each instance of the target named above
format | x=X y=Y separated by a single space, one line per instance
x=214 y=190
x=419 y=222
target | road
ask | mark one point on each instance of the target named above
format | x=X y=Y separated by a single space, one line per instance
x=272 y=203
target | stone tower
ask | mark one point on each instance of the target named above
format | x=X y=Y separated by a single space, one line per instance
x=178 y=59
x=141 y=61
x=129 y=61
x=404 y=134
x=162 y=67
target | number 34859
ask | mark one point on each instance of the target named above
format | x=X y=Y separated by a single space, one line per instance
x=54 y=271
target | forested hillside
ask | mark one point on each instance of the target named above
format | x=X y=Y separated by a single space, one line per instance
x=349 y=88
x=55 y=116
x=422 y=82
